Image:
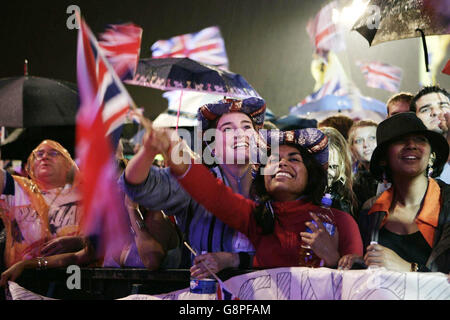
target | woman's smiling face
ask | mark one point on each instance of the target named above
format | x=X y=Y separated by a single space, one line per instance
x=409 y=155
x=233 y=138
x=286 y=176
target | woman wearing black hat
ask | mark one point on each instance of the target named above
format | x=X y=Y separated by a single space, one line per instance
x=408 y=226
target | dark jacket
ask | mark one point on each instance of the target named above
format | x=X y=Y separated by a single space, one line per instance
x=364 y=186
x=439 y=259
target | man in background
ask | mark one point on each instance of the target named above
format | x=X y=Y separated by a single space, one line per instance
x=432 y=105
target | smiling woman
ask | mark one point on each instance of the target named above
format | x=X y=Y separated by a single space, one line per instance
x=407 y=228
x=293 y=182
x=227 y=127
x=286 y=175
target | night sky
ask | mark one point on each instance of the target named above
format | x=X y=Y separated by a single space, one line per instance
x=266 y=42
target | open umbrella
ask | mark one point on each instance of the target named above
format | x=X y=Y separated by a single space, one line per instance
x=189 y=102
x=34 y=101
x=187 y=74
x=332 y=104
x=400 y=19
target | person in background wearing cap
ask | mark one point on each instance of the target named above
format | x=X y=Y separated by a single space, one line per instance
x=42 y=213
x=233 y=123
x=408 y=226
x=432 y=106
x=289 y=191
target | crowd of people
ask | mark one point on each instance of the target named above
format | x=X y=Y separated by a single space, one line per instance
x=388 y=183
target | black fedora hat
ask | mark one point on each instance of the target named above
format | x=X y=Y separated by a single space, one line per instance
x=400 y=125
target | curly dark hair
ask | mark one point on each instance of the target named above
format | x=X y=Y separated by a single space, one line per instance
x=317 y=181
x=424 y=91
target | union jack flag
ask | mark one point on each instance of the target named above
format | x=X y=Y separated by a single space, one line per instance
x=223 y=293
x=103 y=102
x=206 y=46
x=381 y=75
x=97 y=81
x=333 y=86
x=325 y=34
x=121 y=45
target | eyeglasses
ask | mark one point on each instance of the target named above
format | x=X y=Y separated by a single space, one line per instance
x=40 y=154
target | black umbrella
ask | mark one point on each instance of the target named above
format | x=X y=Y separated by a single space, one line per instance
x=33 y=101
x=400 y=19
x=187 y=74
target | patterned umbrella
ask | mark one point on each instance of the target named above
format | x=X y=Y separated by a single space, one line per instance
x=400 y=19
x=388 y=20
x=190 y=75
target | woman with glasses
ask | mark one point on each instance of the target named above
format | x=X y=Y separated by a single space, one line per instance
x=42 y=213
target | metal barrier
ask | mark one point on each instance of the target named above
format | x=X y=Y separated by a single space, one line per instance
x=109 y=283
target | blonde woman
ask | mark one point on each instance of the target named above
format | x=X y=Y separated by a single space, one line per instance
x=340 y=180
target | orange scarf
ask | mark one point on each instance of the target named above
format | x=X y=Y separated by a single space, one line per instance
x=428 y=217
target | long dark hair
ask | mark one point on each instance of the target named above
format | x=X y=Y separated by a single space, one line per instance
x=315 y=187
x=206 y=145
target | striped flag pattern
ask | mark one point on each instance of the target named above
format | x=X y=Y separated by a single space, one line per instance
x=103 y=102
x=223 y=293
x=325 y=34
x=381 y=75
x=206 y=46
x=121 y=45
x=97 y=81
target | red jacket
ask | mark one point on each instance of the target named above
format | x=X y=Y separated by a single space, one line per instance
x=279 y=249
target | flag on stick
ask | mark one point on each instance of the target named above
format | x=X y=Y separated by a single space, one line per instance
x=121 y=45
x=104 y=103
x=206 y=46
x=381 y=75
x=324 y=33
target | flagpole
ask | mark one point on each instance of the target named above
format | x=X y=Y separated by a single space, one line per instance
x=222 y=284
x=179 y=108
x=107 y=64
x=204 y=264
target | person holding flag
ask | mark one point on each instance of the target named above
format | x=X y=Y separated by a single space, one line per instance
x=105 y=104
x=289 y=190
x=97 y=216
x=234 y=122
